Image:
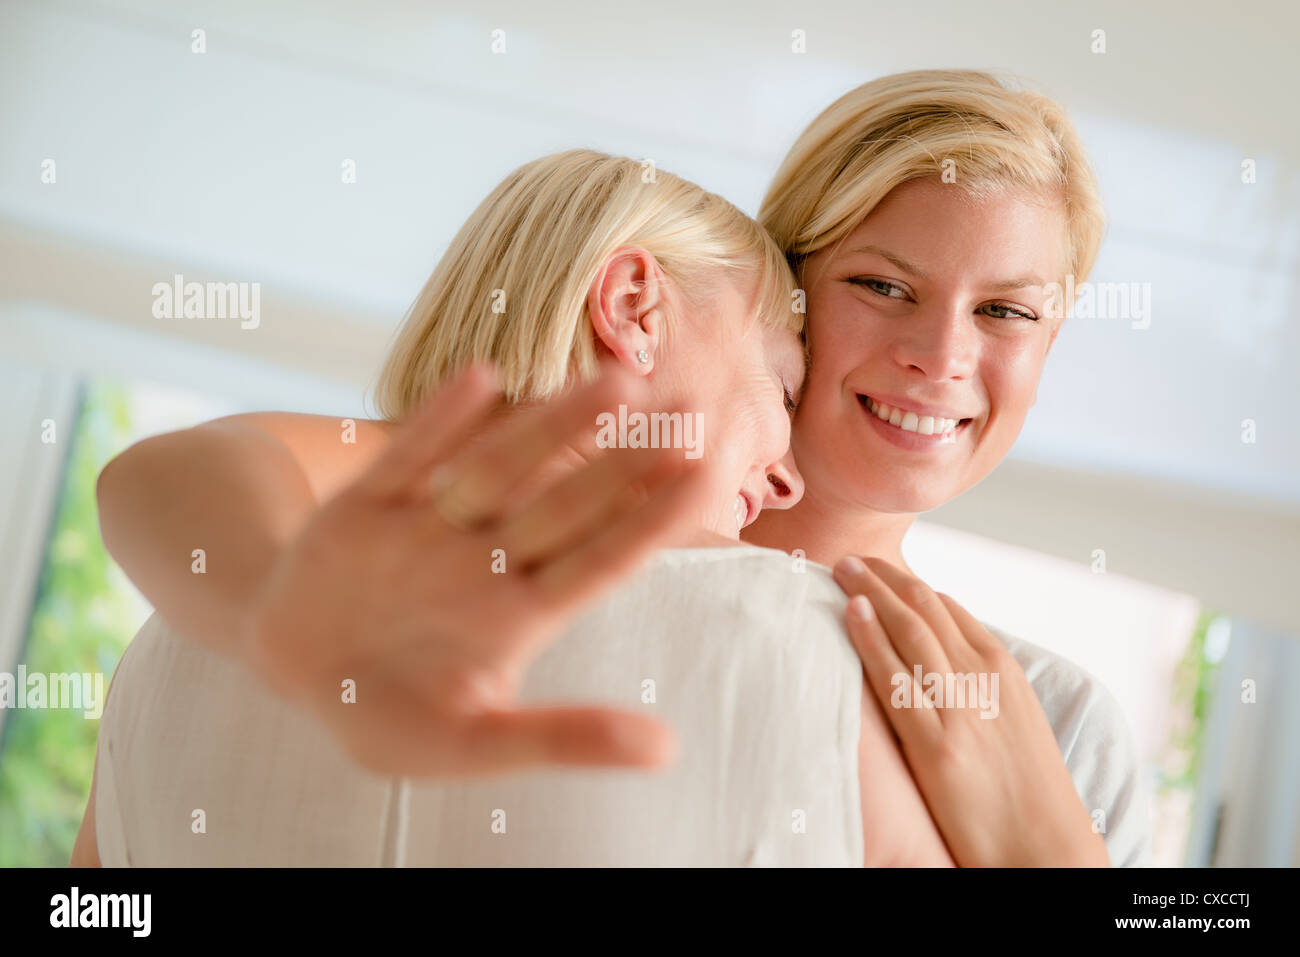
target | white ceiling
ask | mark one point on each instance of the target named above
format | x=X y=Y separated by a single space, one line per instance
x=229 y=162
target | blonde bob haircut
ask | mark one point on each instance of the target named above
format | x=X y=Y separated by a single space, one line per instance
x=986 y=133
x=512 y=287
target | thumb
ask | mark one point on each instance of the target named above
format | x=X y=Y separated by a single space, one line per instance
x=433 y=430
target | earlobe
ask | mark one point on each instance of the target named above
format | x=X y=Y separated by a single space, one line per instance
x=625 y=308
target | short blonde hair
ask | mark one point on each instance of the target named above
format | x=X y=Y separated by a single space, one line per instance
x=512 y=287
x=905 y=126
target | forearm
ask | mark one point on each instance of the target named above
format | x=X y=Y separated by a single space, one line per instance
x=196 y=519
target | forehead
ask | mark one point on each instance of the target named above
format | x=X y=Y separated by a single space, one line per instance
x=945 y=229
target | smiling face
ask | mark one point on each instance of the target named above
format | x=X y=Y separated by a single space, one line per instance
x=743 y=378
x=709 y=354
x=927 y=331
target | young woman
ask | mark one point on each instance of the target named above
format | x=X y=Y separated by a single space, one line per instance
x=926 y=215
x=418 y=599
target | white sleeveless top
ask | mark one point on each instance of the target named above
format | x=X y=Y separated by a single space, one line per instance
x=742 y=650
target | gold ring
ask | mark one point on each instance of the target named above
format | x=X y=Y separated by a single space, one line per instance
x=445 y=501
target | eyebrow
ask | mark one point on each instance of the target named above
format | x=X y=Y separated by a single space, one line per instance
x=1020 y=282
x=907 y=267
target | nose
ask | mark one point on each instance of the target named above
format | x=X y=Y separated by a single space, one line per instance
x=941 y=345
x=784 y=484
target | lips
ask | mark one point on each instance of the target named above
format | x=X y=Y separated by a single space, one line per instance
x=913 y=424
x=745 y=509
x=910 y=421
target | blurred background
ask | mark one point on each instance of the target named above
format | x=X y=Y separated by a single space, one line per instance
x=1147 y=524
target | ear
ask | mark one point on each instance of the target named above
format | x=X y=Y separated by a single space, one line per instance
x=626 y=306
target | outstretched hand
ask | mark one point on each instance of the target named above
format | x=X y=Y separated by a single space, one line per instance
x=406 y=612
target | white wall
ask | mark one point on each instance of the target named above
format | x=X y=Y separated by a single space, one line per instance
x=226 y=165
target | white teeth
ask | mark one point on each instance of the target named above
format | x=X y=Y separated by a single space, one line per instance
x=742 y=511
x=910 y=421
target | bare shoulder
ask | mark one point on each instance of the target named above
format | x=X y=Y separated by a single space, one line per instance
x=309 y=429
x=331 y=450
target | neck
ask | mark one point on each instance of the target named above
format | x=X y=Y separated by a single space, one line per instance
x=829 y=530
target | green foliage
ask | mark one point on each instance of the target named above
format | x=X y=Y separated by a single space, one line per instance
x=1193 y=690
x=82 y=621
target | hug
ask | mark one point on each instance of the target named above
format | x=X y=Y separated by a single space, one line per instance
x=689 y=659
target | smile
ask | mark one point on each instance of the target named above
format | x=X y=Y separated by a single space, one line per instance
x=745 y=512
x=915 y=430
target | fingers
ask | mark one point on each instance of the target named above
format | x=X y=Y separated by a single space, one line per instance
x=585 y=737
x=975 y=633
x=436 y=427
x=624 y=541
x=909 y=632
x=575 y=508
x=483 y=476
x=626 y=538
x=891 y=681
x=923 y=600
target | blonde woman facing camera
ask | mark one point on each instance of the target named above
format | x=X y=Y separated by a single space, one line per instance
x=928 y=215
x=391 y=587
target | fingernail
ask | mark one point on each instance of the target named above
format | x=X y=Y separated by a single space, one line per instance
x=860 y=608
x=850 y=565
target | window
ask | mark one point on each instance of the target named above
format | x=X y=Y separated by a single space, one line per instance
x=84 y=613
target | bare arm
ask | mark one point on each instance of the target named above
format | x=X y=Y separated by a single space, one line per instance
x=329 y=563
x=239 y=488
x=243 y=487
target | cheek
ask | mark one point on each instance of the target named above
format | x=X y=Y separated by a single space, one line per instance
x=1010 y=384
x=834 y=318
x=747 y=428
x=1011 y=375
x=818 y=434
x=844 y=334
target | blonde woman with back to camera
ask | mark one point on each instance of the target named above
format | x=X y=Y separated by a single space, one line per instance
x=392 y=587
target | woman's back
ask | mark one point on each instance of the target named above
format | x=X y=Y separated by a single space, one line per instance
x=742 y=650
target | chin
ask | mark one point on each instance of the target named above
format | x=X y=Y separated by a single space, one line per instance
x=909 y=494
x=724 y=527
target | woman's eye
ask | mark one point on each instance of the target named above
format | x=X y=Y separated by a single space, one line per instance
x=884 y=287
x=1004 y=311
x=787 y=398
